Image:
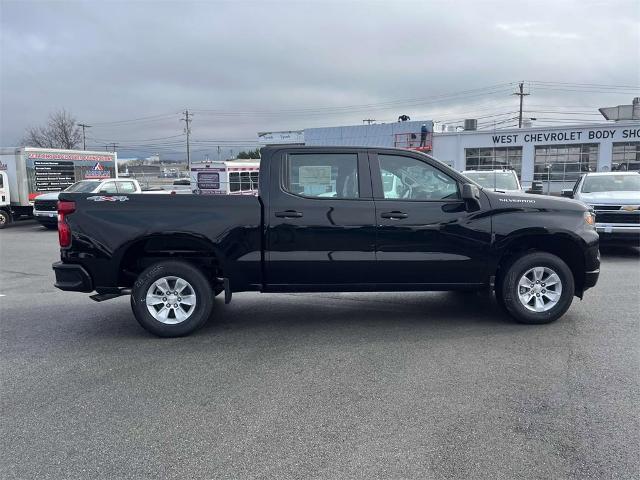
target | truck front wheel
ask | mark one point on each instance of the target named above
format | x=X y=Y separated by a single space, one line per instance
x=537 y=288
x=171 y=299
x=5 y=219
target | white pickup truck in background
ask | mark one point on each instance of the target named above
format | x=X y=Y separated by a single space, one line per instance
x=45 y=206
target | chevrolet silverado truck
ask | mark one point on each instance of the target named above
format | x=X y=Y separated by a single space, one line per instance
x=615 y=199
x=323 y=221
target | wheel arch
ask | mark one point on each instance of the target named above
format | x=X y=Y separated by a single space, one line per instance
x=564 y=245
x=138 y=254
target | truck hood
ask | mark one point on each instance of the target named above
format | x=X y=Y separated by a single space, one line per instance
x=48 y=196
x=611 y=198
x=517 y=199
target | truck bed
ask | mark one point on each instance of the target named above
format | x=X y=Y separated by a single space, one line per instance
x=107 y=231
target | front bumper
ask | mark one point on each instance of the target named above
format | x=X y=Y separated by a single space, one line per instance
x=72 y=277
x=590 y=279
x=591 y=267
x=621 y=233
x=44 y=217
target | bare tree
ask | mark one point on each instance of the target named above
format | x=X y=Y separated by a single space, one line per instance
x=61 y=131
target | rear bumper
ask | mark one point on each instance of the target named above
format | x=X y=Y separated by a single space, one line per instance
x=72 y=277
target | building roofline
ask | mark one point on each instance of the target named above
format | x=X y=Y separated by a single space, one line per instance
x=533 y=129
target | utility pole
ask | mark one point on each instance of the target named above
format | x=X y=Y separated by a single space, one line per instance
x=187 y=119
x=369 y=120
x=113 y=145
x=521 y=94
x=218 y=152
x=84 y=142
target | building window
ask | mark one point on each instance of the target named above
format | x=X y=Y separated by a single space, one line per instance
x=564 y=163
x=492 y=158
x=626 y=156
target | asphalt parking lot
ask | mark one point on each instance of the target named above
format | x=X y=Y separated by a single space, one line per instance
x=357 y=386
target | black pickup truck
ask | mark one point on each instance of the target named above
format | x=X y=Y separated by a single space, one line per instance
x=328 y=219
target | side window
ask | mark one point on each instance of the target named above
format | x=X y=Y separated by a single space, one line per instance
x=1 y=181
x=322 y=175
x=406 y=178
x=109 y=187
x=127 y=187
x=254 y=180
x=234 y=181
x=245 y=181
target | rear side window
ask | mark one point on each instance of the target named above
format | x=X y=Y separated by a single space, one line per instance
x=1 y=181
x=127 y=187
x=109 y=187
x=322 y=175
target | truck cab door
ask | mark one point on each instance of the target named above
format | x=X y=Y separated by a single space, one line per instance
x=425 y=236
x=320 y=220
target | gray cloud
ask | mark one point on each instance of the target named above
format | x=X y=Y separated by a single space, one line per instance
x=111 y=61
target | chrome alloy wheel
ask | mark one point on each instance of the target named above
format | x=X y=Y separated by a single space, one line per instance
x=539 y=289
x=171 y=300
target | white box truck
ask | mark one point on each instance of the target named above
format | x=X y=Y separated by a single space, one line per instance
x=27 y=172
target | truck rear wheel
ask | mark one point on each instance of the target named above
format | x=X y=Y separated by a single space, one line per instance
x=171 y=299
x=537 y=288
x=5 y=219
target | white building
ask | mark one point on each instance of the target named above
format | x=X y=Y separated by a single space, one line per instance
x=555 y=156
x=397 y=134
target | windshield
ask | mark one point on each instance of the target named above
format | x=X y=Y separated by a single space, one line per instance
x=82 y=187
x=611 y=183
x=497 y=180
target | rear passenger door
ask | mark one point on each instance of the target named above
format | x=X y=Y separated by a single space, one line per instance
x=320 y=220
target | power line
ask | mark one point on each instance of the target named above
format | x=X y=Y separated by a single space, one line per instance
x=139 y=119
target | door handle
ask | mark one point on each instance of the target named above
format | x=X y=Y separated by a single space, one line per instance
x=289 y=214
x=394 y=215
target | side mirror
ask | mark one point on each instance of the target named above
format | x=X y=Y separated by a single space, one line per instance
x=471 y=197
x=103 y=192
x=567 y=192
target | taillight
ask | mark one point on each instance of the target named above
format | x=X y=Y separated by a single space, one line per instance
x=64 y=230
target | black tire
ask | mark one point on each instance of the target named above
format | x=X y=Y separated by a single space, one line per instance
x=508 y=289
x=201 y=290
x=5 y=219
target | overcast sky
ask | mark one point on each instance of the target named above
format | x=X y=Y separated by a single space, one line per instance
x=244 y=67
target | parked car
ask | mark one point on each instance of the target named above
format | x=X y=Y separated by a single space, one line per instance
x=45 y=206
x=496 y=180
x=615 y=198
x=322 y=221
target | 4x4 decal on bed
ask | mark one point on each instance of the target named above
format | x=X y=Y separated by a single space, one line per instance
x=104 y=198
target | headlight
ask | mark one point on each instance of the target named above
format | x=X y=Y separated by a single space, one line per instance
x=590 y=218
